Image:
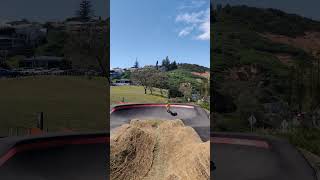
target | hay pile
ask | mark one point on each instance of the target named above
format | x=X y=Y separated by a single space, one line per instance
x=158 y=150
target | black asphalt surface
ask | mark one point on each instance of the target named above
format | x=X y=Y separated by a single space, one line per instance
x=69 y=162
x=195 y=117
x=239 y=162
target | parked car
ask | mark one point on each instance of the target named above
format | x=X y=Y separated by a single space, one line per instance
x=122 y=82
x=56 y=71
x=8 y=73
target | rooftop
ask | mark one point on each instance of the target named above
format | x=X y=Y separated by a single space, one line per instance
x=47 y=58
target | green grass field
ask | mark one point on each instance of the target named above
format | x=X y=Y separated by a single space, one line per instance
x=135 y=94
x=67 y=102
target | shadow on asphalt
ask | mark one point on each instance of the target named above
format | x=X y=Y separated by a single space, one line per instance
x=243 y=162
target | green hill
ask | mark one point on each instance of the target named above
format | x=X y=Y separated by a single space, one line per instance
x=255 y=74
x=268 y=20
x=172 y=81
x=185 y=73
x=193 y=67
x=266 y=63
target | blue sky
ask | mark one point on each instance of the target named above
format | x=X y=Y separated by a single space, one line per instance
x=150 y=30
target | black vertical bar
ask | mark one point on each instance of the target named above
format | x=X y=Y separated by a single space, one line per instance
x=40 y=120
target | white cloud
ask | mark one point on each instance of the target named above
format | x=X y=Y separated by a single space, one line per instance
x=191 y=18
x=186 y=31
x=193 y=4
x=205 y=28
x=197 y=22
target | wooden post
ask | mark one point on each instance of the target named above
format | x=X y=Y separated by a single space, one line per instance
x=40 y=120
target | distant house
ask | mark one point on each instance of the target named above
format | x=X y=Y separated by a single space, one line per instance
x=149 y=66
x=74 y=25
x=162 y=68
x=19 y=22
x=116 y=72
x=33 y=34
x=46 y=62
x=132 y=69
x=77 y=23
x=10 y=43
x=56 y=25
x=19 y=37
x=9 y=40
x=123 y=82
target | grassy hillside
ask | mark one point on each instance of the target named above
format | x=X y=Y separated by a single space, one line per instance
x=193 y=68
x=185 y=73
x=134 y=94
x=178 y=76
x=196 y=75
x=265 y=63
x=269 y=20
x=67 y=102
x=252 y=73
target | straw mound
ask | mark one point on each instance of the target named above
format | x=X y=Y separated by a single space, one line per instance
x=162 y=150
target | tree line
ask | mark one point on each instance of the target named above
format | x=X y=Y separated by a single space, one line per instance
x=180 y=83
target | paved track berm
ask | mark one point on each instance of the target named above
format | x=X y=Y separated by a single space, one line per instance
x=55 y=156
x=253 y=157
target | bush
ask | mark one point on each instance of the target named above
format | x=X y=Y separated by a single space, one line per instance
x=173 y=93
x=205 y=105
x=177 y=100
x=308 y=139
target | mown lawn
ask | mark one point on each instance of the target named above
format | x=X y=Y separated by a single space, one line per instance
x=67 y=102
x=135 y=94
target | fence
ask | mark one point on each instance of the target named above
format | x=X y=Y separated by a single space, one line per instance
x=22 y=73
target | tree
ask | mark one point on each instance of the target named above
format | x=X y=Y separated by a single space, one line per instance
x=186 y=90
x=173 y=66
x=160 y=81
x=228 y=9
x=248 y=104
x=143 y=77
x=85 y=11
x=205 y=88
x=174 y=92
x=126 y=75
x=157 y=65
x=136 y=64
x=89 y=47
x=166 y=63
x=219 y=8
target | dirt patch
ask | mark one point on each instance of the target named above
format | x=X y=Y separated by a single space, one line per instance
x=205 y=74
x=243 y=73
x=286 y=59
x=310 y=42
x=162 y=150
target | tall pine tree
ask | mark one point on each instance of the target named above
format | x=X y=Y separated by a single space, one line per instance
x=136 y=64
x=85 y=12
x=166 y=63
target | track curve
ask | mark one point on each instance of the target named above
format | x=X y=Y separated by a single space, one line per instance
x=249 y=157
x=50 y=157
x=191 y=115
